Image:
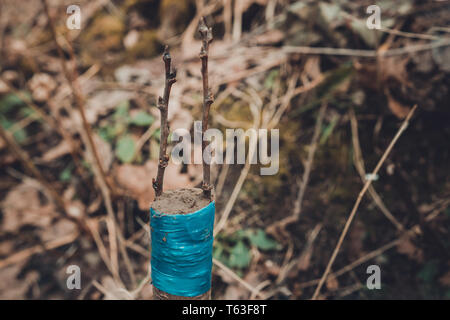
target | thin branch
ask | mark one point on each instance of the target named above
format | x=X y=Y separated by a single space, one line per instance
x=366 y=53
x=232 y=274
x=86 y=134
x=415 y=230
x=28 y=252
x=208 y=99
x=72 y=79
x=358 y=201
x=252 y=149
x=144 y=138
x=303 y=182
x=359 y=164
x=163 y=106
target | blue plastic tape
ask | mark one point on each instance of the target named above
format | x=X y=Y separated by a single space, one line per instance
x=182 y=247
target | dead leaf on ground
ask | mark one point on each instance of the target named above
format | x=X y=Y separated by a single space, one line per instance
x=405 y=246
x=41 y=86
x=394 y=68
x=332 y=283
x=398 y=109
x=76 y=209
x=104 y=151
x=56 y=152
x=305 y=261
x=23 y=206
x=445 y=279
x=103 y=102
x=113 y=291
x=312 y=68
x=6 y=247
x=57 y=230
x=235 y=292
x=3 y=87
x=270 y=37
x=137 y=180
x=13 y=288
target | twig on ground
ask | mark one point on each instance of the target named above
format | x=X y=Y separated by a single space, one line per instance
x=233 y=275
x=50 y=245
x=268 y=122
x=93 y=228
x=304 y=256
x=86 y=134
x=415 y=230
x=358 y=201
x=72 y=78
x=237 y=25
x=252 y=149
x=366 y=53
x=208 y=99
x=281 y=225
x=359 y=164
x=375 y=253
x=144 y=138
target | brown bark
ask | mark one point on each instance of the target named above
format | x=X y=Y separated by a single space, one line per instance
x=163 y=106
x=208 y=99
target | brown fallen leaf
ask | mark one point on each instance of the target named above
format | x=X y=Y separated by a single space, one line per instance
x=235 y=292
x=23 y=206
x=13 y=288
x=398 y=109
x=270 y=37
x=58 y=230
x=332 y=283
x=136 y=180
x=6 y=247
x=41 y=86
x=445 y=279
x=104 y=151
x=56 y=152
x=405 y=246
x=394 y=68
x=113 y=291
x=103 y=102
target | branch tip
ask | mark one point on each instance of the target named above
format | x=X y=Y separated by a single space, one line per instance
x=163 y=106
x=205 y=31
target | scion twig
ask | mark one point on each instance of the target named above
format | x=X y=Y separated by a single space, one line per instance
x=163 y=106
x=208 y=99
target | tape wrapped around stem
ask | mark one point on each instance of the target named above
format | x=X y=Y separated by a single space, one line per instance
x=182 y=247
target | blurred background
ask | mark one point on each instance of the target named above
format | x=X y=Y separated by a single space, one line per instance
x=79 y=144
